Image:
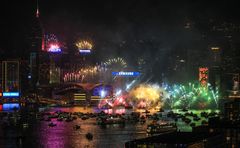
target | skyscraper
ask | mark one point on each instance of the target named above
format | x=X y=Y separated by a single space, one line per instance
x=37 y=44
x=215 y=69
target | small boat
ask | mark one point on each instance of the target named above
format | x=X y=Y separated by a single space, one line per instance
x=196 y=118
x=76 y=127
x=85 y=117
x=187 y=120
x=89 y=136
x=59 y=119
x=142 y=120
x=69 y=119
x=193 y=124
x=110 y=120
x=52 y=124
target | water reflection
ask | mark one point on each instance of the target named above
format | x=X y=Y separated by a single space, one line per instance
x=40 y=134
x=64 y=134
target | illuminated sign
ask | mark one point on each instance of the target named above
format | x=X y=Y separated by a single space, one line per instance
x=126 y=73
x=203 y=76
x=215 y=48
x=10 y=106
x=10 y=94
x=85 y=51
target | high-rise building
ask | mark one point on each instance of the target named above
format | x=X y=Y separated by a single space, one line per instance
x=33 y=70
x=215 y=69
x=37 y=44
x=54 y=73
x=10 y=76
x=10 y=84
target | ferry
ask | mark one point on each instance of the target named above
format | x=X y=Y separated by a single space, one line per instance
x=110 y=120
x=157 y=128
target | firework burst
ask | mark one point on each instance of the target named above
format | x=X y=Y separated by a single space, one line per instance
x=84 y=45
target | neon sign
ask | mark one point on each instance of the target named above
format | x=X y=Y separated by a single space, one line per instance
x=10 y=94
x=10 y=106
x=126 y=73
x=85 y=51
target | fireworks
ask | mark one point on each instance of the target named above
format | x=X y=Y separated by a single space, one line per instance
x=82 y=75
x=149 y=96
x=54 y=48
x=191 y=96
x=84 y=45
x=52 y=43
x=146 y=96
x=116 y=63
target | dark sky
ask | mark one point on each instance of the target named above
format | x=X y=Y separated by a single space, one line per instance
x=128 y=27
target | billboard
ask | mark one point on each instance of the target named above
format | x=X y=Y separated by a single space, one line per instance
x=10 y=106
x=85 y=51
x=10 y=94
x=128 y=74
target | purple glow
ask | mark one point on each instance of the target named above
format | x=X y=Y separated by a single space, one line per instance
x=10 y=106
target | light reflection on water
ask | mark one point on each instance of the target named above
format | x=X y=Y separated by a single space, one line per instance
x=63 y=135
x=40 y=135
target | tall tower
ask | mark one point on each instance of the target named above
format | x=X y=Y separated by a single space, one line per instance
x=37 y=44
x=215 y=68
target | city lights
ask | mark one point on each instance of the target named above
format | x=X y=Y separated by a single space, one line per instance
x=120 y=74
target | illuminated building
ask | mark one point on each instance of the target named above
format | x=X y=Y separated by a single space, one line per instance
x=203 y=76
x=54 y=73
x=230 y=130
x=232 y=110
x=10 y=84
x=234 y=94
x=10 y=76
x=44 y=69
x=215 y=70
x=37 y=44
x=33 y=70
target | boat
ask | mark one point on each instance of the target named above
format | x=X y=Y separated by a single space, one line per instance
x=85 y=117
x=111 y=120
x=193 y=124
x=52 y=124
x=68 y=119
x=76 y=127
x=89 y=136
x=142 y=120
x=59 y=119
x=156 y=128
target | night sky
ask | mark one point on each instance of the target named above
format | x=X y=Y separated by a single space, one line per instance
x=130 y=28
